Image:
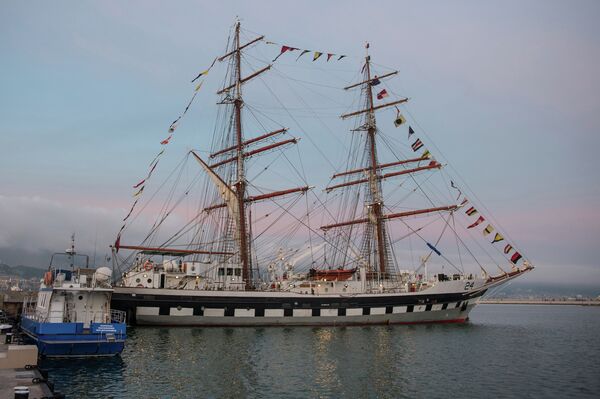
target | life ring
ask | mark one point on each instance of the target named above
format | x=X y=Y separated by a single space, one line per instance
x=148 y=265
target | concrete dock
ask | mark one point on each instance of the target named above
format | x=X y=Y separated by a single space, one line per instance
x=18 y=368
x=539 y=302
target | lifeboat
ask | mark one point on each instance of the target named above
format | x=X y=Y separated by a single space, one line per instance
x=331 y=275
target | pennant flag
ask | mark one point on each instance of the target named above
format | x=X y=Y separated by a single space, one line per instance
x=375 y=81
x=166 y=141
x=340 y=57
x=471 y=211
x=434 y=249
x=329 y=55
x=498 y=238
x=416 y=145
x=382 y=94
x=507 y=248
x=410 y=132
x=488 y=230
x=205 y=72
x=302 y=53
x=399 y=120
x=173 y=125
x=515 y=258
x=157 y=155
x=464 y=202
x=152 y=170
x=456 y=188
x=198 y=86
x=426 y=154
x=190 y=103
x=118 y=241
x=200 y=74
x=477 y=222
x=141 y=190
x=131 y=210
x=139 y=184
x=317 y=55
x=283 y=50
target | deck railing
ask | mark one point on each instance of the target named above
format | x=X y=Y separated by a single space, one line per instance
x=117 y=316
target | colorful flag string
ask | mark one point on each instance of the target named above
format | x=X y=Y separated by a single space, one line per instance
x=141 y=185
x=316 y=54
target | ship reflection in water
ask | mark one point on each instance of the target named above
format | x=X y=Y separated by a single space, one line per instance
x=544 y=351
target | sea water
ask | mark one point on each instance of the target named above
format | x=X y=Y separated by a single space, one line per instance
x=504 y=351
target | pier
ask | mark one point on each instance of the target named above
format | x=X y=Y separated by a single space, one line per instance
x=586 y=302
x=18 y=368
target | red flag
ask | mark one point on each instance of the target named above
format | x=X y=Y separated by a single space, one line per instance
x=382 y=94
x=329 y=55
x=283 y=50
x=118 y=242
x=515 y=258
x=139 y=184
x=477 y=222
x=416 y=145
x=166 y=141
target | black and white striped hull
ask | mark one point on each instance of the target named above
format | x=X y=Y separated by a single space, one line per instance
x=147 y=306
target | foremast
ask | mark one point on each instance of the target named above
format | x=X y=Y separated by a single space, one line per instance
x=235 y=196
x=240 y=183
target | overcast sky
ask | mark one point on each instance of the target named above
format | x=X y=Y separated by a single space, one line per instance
x=509 y=90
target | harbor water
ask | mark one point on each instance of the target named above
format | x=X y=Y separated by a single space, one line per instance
x=504 y=351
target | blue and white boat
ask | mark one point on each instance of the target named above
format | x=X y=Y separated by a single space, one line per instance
x=72 y=315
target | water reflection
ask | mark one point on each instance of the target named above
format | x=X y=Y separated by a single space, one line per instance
x=382 y=361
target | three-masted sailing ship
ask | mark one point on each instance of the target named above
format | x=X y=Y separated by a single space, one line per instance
x=218 y=269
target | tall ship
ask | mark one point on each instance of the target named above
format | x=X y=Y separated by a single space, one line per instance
x=391 y=238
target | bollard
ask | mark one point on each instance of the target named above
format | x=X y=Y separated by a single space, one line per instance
x=21 y=393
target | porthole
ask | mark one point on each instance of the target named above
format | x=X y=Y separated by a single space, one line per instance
x=149 y=281
x=137 y=280
x=80 y=297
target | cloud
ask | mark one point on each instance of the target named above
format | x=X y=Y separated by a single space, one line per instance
x=33 y=227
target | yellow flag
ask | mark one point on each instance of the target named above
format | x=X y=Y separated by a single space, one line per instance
x=317 y=55
x=199 y=86
x=497 y=238
x=488 y=230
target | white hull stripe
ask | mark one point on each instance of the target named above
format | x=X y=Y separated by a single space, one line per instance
x=323 y=312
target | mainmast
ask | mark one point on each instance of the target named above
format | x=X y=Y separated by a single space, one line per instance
x=240 y=183
x=375 y=235
x=376 y=204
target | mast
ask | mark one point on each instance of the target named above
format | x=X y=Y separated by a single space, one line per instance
x=240 y=178
x=374 y=186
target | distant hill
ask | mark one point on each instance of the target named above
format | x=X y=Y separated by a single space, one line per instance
x=21 y=271
x=524 y=290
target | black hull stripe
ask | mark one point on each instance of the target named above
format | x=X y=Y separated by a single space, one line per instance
x=165 y=303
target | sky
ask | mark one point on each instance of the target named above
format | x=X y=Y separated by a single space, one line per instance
x=509 y=90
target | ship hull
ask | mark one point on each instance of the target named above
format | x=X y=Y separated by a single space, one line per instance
x=72 y=340
x=217 y=308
